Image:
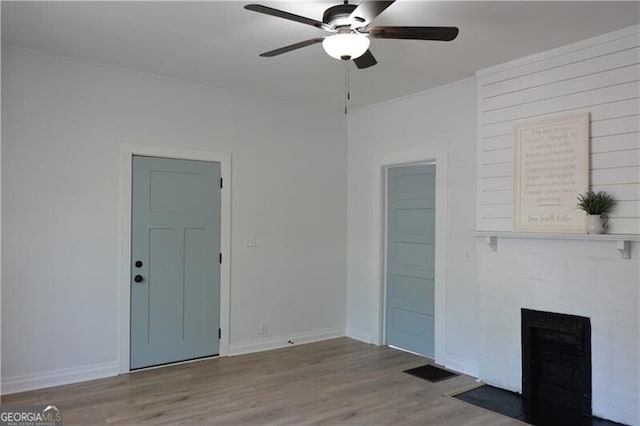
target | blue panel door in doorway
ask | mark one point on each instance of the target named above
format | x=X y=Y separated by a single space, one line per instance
x=411 y=258
x=175 y=271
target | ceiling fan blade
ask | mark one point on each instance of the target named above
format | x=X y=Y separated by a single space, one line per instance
x=291 y=47
x=367 y=11
x=415 y=33
x=286 y=15
x=365 y=61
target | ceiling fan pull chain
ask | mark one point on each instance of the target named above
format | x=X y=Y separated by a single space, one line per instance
x=348 y=81
x=346 y=87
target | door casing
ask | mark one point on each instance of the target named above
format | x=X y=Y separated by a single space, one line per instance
x=382 y=162
x=127 y=152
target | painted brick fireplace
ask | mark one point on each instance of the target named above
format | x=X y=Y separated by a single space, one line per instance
x=584 y=278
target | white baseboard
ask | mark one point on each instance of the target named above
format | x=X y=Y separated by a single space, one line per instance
x=360 y=335
x=462 y=366
x=65 y=376
x=265 y=344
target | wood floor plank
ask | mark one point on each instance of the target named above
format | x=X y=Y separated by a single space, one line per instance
x=335 y=382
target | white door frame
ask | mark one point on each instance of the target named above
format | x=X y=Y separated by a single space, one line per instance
x=127 y=152
x=382 y=162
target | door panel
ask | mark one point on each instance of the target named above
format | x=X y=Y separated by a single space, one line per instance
x=415 y=293
x=175 y=309
x=411 y=258
x=177 y=192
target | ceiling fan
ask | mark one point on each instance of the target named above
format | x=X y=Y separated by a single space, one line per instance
x=352 y=29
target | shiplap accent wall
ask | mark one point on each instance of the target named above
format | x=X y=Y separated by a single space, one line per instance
x=600 y=76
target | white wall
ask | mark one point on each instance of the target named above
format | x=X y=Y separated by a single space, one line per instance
x=587 y=278
x=63 y=123
x=598 y=76
x=443 y=116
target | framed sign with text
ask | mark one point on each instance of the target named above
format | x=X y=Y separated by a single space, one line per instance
x=550 y=169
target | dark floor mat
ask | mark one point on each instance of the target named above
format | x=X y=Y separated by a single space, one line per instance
x=431 y=373
x=494 y=399
x=506 y=403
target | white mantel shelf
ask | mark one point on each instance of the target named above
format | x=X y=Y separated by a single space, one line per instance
x=623 y=241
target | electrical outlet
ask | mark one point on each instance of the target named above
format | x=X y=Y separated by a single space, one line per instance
x=263 y=327
x=249 y=240
x=467 y=254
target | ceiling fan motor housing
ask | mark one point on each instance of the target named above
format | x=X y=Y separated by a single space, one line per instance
x=338 y=16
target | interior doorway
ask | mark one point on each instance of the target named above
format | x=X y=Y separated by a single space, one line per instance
x=437 y=154
x=126 y=259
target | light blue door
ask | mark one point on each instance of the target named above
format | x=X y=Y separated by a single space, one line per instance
x=175 y=267
x=411 y=207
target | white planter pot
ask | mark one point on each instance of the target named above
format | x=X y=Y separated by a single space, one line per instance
x=595 y=224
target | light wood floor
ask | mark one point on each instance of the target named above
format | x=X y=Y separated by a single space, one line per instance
x=335 y=382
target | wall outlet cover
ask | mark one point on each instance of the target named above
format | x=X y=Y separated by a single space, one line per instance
x=249 y=240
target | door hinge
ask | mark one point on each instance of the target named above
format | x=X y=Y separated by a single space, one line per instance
x=220 y=183
x=219 y=333
x=221 y=258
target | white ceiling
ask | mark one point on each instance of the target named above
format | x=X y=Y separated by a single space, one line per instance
x=217 y=43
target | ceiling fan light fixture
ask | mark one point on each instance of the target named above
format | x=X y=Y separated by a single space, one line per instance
x=346 y=46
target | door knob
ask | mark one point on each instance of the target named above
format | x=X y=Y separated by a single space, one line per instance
x=138 y=278
x=138 y=264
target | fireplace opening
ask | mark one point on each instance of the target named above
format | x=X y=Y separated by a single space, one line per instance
x=556 y=368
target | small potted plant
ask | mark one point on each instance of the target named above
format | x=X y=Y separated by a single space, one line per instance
x=596 y=205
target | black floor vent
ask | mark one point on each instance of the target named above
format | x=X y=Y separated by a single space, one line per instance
x=431 y=373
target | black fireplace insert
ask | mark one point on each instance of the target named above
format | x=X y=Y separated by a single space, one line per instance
x=556 y=368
